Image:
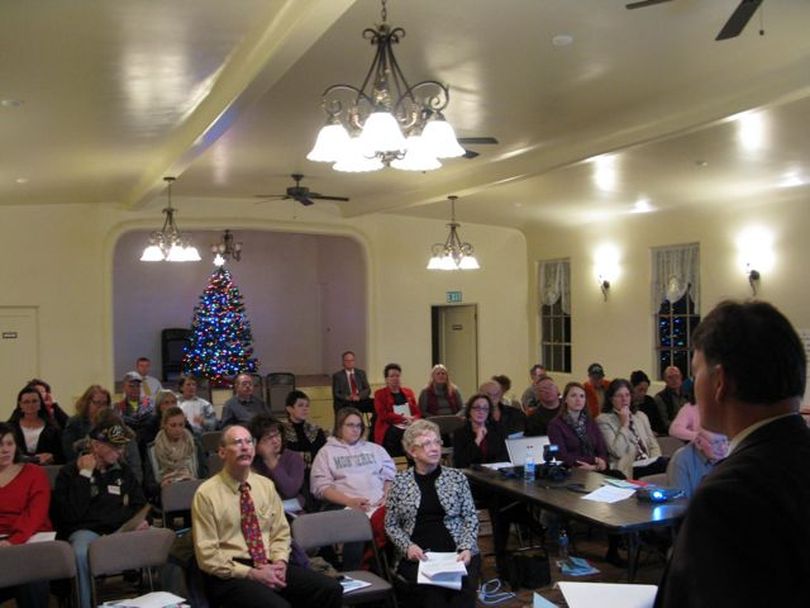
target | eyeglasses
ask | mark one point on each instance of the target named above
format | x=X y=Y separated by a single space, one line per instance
x=242 y=441
x=270 y=436
x=353 y=425
x=480 y=408
x=99 y=402
x=428 y=442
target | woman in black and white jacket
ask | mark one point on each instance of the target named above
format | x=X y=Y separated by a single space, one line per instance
x=430 y=508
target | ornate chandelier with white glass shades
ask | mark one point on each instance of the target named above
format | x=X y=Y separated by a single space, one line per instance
x=169 y=244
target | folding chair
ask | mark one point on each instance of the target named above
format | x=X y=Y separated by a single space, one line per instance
x=176 y=498
x=210 y=441
x=314 y=530
x=115 y=553
x=45 y=561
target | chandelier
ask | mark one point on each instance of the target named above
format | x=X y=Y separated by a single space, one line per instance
x=453 y=254
x=227 y=247
x=387 y=121
x=168 y=243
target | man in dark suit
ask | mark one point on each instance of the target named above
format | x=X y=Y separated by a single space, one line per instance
x=350 y=386
x=746 y=537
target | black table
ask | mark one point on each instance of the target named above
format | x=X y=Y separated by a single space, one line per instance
x=629 y=517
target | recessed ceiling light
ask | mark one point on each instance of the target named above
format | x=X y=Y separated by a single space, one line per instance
x=562 y=40
x=21 y=180
x=11 y=103
x=642 y=205
x=702 y=163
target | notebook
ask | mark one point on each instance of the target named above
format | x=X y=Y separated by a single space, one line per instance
x=520 y=446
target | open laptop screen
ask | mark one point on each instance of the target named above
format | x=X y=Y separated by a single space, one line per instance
x=520 y=446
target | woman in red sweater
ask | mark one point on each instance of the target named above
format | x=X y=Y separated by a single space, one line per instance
x=395 y=408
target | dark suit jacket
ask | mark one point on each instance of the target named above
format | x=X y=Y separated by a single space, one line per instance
x=746 y=537
x=341 y=391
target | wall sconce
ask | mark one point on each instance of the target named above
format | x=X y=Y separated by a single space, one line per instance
x=606 y=267
x=755 y=254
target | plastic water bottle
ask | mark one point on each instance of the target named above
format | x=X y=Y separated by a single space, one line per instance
x=562 y=544
x=528 y=468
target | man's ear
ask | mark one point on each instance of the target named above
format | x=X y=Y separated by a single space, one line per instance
x=722 y=388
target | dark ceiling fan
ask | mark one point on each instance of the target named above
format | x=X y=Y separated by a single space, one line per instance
x=474 y=141
x=733 y=27
x=300 y=193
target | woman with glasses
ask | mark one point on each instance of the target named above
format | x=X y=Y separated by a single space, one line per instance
x=430 y=508
x=94 y=399
x=479 y=440
x=352 y=472
x=283 y=466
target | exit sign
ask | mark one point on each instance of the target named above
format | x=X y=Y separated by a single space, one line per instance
x=453 y=297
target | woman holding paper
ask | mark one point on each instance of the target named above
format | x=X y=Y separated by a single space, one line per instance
x=25 y=495
x=395 y=408
x=430 y=509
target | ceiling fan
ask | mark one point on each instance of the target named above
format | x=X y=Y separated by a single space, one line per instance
x=474 y=141
x=300 y=193
x=733 y=27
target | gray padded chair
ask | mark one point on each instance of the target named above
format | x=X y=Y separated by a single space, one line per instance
x=210 y=441
x=314 y=530
x=176 y=498
x=114 y=553
x=50 y=561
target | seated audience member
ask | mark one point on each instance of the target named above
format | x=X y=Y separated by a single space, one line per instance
x=164 y=400
x=672 y=397
x=430 y=508
x=177 y=455
x=25 y=496
x=56 y=415
x=244 y=405
x=242 y=538
x=199 y=413
x=284 y=467
x=352 y=472
x=134 y=410
x=595 y=387
x=395 y=408
x=300 y=435
x=350 y=386
x=695 y=460
x=631 y=444
x=543 y=408
x=149 y=384
x=440 y=397
x=506 y=385
x=39 y=441
x=580 y=441
x=640 y=384
x=509 y=419
x=94 y=399
x=96 y=495
x=686 y=424
x=535 y=371
x=480 y=440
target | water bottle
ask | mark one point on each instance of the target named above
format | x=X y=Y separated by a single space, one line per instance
x=562 y=543
x=528 y=468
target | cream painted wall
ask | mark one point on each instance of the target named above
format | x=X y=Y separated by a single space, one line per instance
x=63 y=265
x=619 y=332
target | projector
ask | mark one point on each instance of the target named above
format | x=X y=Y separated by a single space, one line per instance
x=658 y=494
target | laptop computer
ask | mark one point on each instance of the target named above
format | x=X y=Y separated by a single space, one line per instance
x=519 y=447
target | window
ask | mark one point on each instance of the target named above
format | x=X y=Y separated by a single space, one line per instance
x=676 y=299
x=555 y=315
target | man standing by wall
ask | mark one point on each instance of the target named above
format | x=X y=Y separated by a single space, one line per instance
x=746 y=537
x=150 y=385
x=242 y=539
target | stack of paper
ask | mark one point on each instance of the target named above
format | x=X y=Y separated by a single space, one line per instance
x=607 y=595
x=442 y=570
x=156 y=599
x=352 y=584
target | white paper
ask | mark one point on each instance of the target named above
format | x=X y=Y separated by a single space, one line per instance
x=291 y=505
x=352 y=584
x=538 y=601
x=156 y=599
x=609 y=494
x=41 y=537
x=442 y=570
x=607 y=595
x=403 y=409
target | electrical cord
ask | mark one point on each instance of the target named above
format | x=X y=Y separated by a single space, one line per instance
x=490 y=594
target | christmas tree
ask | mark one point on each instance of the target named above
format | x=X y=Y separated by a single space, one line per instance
x=221 y=341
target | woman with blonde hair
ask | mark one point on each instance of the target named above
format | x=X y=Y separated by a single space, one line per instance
x=94 y=399
x=440 y=397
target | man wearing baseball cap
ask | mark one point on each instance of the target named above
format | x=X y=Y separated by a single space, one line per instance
x=595 y=388
x=96 y=495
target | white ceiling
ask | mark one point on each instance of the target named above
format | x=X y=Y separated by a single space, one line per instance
x=226 y=95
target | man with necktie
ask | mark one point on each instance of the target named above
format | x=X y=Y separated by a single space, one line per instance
x=242 y=538
x=350 y=386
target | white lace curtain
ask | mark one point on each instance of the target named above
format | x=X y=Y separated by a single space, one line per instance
x=555 y=284
x=676 y=269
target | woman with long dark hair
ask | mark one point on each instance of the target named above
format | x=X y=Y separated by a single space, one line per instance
x=40 y=442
